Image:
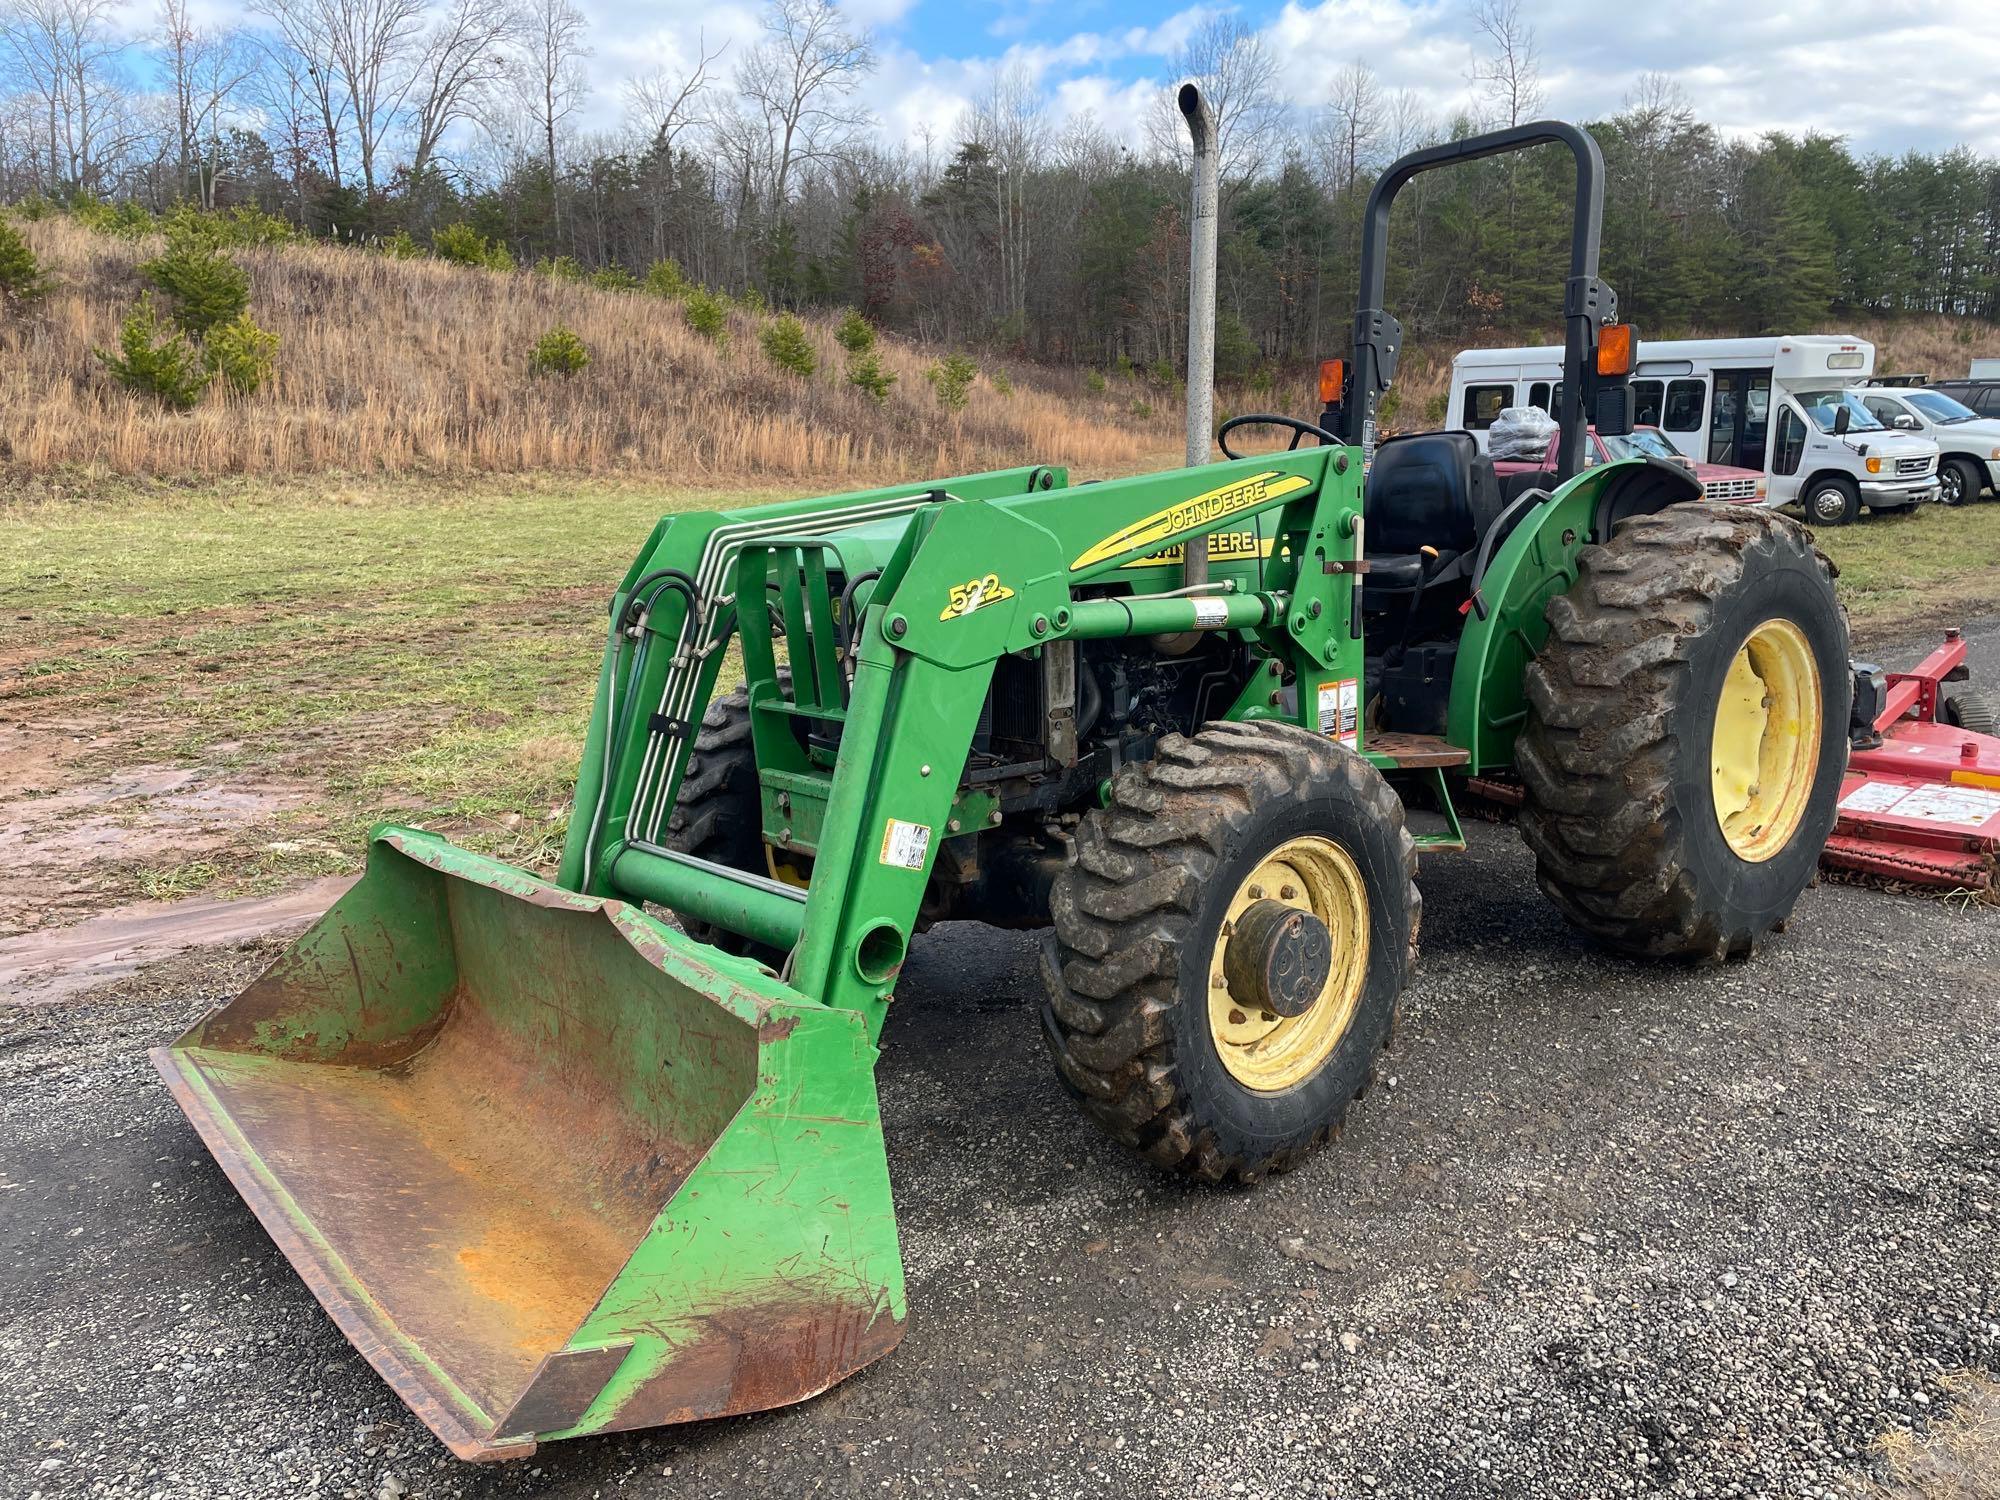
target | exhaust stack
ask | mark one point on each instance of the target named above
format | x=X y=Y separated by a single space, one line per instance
x=1201 y=289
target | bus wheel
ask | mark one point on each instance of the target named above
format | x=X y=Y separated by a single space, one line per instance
x=1832 y=501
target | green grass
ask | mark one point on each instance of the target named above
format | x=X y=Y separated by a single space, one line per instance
x=405 y=651
x=1929 y=567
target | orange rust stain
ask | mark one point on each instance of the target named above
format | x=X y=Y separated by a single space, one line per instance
x=533 y=1276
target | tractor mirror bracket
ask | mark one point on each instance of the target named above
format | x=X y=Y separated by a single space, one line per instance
x=1590 y=297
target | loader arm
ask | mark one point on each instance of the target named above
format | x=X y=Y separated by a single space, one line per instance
x=1046 y=567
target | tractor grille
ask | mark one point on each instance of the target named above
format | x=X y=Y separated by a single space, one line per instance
x=1910 y=468
x=1730 y=489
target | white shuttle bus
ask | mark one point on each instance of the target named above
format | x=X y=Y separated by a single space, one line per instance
x=1786 y=406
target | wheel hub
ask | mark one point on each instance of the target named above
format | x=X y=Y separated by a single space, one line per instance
x=1286 y=972
x=1278 y=959
x=1765 y=748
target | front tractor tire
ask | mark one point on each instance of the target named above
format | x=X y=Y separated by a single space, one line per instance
x=1686 y=732
x=1231 y=936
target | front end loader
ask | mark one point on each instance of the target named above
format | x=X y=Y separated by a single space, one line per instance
x=599 y=1150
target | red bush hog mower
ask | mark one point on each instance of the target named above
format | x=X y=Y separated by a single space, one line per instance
x=1921 y=801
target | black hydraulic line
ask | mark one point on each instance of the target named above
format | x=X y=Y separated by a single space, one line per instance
x=846 y=621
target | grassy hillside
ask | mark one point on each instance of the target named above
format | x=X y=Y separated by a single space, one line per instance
x=400 y=367
x=418 y=366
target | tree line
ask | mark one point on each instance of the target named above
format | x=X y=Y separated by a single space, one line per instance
x=761 y=168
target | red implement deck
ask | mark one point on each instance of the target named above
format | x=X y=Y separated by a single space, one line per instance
x=1922 y=805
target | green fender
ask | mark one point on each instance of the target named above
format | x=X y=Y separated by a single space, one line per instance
x=1536 y=562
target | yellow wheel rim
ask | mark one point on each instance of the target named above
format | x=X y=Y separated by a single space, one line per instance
x=1766 y=741
x=1269 y=1052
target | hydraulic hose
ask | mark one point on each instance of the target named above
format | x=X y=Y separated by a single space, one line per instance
x=638 y=607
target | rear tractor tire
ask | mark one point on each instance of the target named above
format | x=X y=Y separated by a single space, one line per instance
x=1686 y=732
x=1231 y=936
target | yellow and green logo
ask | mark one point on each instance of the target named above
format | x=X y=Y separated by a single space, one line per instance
x=1198 y=513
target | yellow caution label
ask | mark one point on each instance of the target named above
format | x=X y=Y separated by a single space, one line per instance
x=1196 y=513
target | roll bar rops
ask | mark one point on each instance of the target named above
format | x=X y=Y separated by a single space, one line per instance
x=1588 y=303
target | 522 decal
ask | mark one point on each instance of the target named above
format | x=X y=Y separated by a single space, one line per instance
x=975 y=593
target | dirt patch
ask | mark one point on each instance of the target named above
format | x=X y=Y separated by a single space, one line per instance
x=37 y=968
x=79 y=844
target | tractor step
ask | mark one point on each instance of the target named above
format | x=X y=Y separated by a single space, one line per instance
x=1413 y=752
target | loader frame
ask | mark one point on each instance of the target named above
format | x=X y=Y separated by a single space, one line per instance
x=903 y=678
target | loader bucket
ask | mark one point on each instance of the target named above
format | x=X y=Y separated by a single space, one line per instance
x=552 y=1166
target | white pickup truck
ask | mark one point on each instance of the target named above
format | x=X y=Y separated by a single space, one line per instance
x=1968 y=444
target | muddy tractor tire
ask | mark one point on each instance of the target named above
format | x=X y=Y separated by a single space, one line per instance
x=1686 y=732
x=1231 y=936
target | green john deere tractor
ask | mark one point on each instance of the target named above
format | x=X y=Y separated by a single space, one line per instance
x=560 y=1162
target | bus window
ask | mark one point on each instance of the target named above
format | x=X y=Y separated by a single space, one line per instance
x=1791 y=445
x=1684 y=403
x=1646 y=402
x=1538 y=395
x=1484 y=403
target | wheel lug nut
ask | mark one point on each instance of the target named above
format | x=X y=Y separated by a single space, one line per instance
x=1237 y=1018
x=1256 y=893
x=1288 y=892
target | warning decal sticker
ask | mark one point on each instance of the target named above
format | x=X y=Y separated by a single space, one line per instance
x=1959 y=806
x=904 y=845
x=1340 y=710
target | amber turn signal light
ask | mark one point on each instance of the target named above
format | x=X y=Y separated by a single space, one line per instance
x=1617 y=349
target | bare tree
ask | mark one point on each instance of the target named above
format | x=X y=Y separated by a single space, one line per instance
x=465 y=57
x=205 y=69
x=1009 y=121
x=1509 y=76
x=304 y=64
x=550 y=77
x=1409 y=124
x=665 y=106
x=372 y=40
x=297 y=117
x=67 y=52
x=1238 y=75
x=801 y=79
x=1350 y=125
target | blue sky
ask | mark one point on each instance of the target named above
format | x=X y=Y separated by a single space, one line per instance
x=1890 y=75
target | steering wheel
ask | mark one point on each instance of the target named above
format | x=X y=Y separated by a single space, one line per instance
x=1300 y=430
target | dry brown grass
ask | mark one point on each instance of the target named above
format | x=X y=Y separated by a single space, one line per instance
x=390 y=366
x=1958 y=1459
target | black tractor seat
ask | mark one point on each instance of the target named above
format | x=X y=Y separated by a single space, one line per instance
x=1430 y=497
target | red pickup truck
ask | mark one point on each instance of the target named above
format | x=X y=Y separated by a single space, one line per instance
x=1718 y=481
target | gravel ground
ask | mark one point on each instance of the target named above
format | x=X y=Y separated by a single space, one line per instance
x=1607 y=1229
